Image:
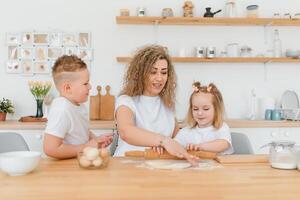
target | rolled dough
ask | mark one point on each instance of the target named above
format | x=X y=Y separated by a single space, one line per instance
x=168 y=164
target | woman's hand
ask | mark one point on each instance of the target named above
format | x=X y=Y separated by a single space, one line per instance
x=174 y=148
x=193 y=147
x=159 y=150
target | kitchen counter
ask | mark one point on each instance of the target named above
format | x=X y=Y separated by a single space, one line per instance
x=233 y=123
x=65 y=180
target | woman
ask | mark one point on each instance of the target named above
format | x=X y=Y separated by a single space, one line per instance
x=145 y=109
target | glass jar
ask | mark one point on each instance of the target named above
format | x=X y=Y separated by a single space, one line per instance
x=252 y=11
x=283 y=154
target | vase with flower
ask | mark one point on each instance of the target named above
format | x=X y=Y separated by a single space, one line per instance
x=39 y=90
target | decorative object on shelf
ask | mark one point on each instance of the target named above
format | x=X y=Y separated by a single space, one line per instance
x=246 y=51
x=200 y=52
x=33 y=52
x=141 y=11
x=253 y=100
x=232 y=50
x=39 y=90
x=292 y=53
x=209 y=13
x=211 y=52
x=188 y=9
x=102 y=106
x=277 y=44
x=6 y=106
x=124 y=12
x=252 y=11
x=167 y=12
x=230 y=9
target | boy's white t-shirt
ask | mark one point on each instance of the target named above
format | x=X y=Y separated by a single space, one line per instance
x=68 y=121
x=201 y=135
x=150 y=113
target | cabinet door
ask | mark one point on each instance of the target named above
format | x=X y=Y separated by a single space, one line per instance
x=259 y=137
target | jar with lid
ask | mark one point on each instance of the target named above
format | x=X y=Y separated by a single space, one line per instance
x=283 y=154
x=230 y=9
x=252 y=11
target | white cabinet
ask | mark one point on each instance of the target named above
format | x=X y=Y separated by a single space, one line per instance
x=261 y=136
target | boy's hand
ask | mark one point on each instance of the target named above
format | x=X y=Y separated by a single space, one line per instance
x=104 y=140
x=92 y=143
x=193 y=147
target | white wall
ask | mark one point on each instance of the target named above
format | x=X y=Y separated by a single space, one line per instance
x=111 y=40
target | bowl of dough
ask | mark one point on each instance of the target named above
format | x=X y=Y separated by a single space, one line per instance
x=93 y=158
x=18 y=163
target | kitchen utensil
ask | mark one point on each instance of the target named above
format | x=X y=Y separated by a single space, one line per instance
x=276 y=115
x=242 y=158
x=107 y=105
x=230 y=9
x=200 y=52
x=290 y=105
x=141 y=11
x=292 y=53
x=95 y=105
x=18 y=163
x=283 y=154
x=252 y=11
x=268 y=114
x=150 y=154
x=211 y=52
x=209 y=13
x=167 y=12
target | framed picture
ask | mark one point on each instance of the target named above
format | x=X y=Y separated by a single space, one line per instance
x=85 y=53
x=27 y=67
x=13 y=38
x=84 y=39
x=26 y=53
x=71 y=51
x=12 y=52
x=54 y=53
x=55 y=39
x=41 y=68
x=13 y=67
x=41 y=38
x=69 y=39
x=27 y=38
x=41 y=53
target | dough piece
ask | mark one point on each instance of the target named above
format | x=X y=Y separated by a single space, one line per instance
x=168 y=164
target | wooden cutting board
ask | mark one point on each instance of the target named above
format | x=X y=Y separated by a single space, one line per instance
x=243 y=158
x=95 y=105
x=107 y=105
x=150 y=154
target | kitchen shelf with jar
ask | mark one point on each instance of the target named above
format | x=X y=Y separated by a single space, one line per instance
x=154 y=20
x=224 y=60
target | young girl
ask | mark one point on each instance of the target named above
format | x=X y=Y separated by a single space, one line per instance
x=207 y=131
x=145 y=109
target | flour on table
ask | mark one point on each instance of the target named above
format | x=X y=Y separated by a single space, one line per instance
x=167 y=164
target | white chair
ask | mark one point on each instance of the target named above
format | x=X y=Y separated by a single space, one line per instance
x=241 y=144
x=10 y=141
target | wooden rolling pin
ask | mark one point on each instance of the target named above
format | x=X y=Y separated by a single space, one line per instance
x=151 y=155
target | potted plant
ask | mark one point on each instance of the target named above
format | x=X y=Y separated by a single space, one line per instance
x=6 y=106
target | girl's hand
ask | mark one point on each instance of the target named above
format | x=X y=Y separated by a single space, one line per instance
x=159 y=150
x=193 y=147
x=174 y=148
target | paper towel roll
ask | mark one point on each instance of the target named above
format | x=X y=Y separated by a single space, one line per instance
x=265 y=103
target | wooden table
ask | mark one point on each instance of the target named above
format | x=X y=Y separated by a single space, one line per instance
x=65 y=180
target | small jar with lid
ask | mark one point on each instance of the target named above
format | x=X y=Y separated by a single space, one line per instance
x=252 y=11
x=246 y=52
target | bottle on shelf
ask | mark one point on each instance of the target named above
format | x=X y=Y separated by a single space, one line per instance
x=277 y=45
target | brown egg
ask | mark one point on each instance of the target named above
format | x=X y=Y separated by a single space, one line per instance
x=104 y=153
x=84 y=162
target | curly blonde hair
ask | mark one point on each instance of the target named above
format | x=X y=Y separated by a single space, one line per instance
x=139 y=69
x=218 y=104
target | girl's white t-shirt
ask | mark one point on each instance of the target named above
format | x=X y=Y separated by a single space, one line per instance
x=201 y=135
x=150 y=113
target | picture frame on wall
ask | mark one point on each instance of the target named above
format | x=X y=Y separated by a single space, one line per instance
x=41 y=53
x=13 y=67
x=41 y=68
x=12 y=52
x=85 y=53
x=69 y=39
x=55 y=39
x=12 y=38
x=84 y=39
x=26 y=53
x=70 y=51
x=54 y=53
x=27 y=38
x=41 y=38
x=27 y=66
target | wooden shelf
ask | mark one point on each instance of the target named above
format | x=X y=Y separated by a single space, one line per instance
x=224 y=60
x=207 y=21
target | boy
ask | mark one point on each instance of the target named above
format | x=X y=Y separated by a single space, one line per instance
x=67 y=130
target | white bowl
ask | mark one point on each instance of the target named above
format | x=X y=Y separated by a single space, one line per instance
x=17 y=163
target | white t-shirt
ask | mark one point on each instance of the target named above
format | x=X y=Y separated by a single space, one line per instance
x=150 y=113
x=68 y=121
x=201 y=135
